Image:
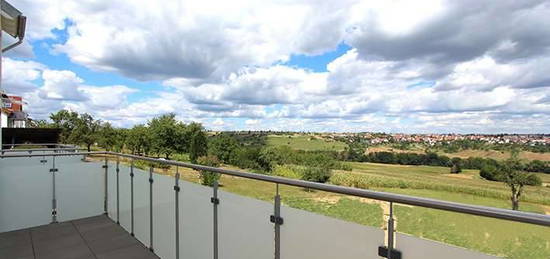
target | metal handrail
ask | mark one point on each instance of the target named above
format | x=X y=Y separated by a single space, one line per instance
x=518 y=216
x=32 y=144
x=30 y=150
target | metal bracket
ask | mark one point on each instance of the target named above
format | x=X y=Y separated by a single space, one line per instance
x=151 y=180
x=383 y=252
x=215 y=200
x=53 y=170
x=131 y=174
x=54 y=212
x=117 y=170
x=276 y=220
x=43 y=161
x=176 y=188
x=104 y=166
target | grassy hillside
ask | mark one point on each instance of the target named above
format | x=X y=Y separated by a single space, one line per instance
x=305 y=142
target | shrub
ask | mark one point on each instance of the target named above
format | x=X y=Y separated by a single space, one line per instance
x=145 y=165
x=288 y=171
x=208 y=178
x=489 y=172
x=456 y=165
x=317 y=174
x=534 y=180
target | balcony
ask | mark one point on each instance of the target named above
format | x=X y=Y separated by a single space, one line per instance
x=60 y=203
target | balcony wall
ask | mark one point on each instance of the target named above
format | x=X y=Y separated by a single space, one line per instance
x=244 y=227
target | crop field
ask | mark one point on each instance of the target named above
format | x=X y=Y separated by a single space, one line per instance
x=498 y=237
x=305 y=142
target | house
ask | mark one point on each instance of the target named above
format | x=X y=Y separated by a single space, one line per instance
x=13 y=115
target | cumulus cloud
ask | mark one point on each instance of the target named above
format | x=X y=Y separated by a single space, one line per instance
x=431 y=65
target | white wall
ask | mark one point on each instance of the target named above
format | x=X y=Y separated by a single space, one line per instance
x=3 y=120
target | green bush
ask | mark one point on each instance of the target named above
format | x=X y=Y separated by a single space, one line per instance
x=145 y=165
x=534 y=180
x=489 y=172
x=317 y=174
x=288 y=171
x=208 y=178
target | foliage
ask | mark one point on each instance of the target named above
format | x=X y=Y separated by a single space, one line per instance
x=167 y=135
x=208 y=178
x=198 y=146
x=288 y=171
x=146 y=165
x=456 y=165
x=316 y=174
x=111 y=138
x=139 y=139
x=434 y=159
x=489 y=172
x=223 y=146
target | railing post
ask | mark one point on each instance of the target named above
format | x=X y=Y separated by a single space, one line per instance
x=132 y=197
x=117 y=191
x=390 y=231
x=215 y=201
x=151 y=209
x=53 y=170
x=278 y=221
x=389 y=251
x=106 y=189
x=177 y=190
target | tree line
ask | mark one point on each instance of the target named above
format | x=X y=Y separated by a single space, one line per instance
x=165 y=136
x=433 y=159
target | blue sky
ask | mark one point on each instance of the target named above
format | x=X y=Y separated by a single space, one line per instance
x=239 y=65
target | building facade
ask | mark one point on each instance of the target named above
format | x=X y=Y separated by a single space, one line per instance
x=12 y=114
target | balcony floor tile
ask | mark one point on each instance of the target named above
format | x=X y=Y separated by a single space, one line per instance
x=88 y=238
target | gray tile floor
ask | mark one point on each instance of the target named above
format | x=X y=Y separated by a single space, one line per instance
x=95 y=237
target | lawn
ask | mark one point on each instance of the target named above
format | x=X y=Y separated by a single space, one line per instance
x=305 y=142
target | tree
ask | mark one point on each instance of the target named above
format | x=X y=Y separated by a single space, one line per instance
x=223 y=146
x=66 y=121
x=138 y=139
x=40 y=124
x=164 y=134
x=198 y=146
x=108 y=136
x=85 y=131
x=514 y=178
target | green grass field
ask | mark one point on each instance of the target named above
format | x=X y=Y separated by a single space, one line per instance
x=305 y=142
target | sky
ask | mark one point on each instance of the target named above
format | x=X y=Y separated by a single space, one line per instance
x=428 y=66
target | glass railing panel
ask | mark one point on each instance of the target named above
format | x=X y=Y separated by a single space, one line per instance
x=325 y=225
x=245 y=230
x=25 y=193
x=458 y=235
x=308 y=235
x=79 y=188
x=125 y=193
x=418 y=248
x=141 y=205
x=164 y=226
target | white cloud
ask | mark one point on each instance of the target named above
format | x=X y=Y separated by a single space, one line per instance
x=434 y=65
x=61 y=85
